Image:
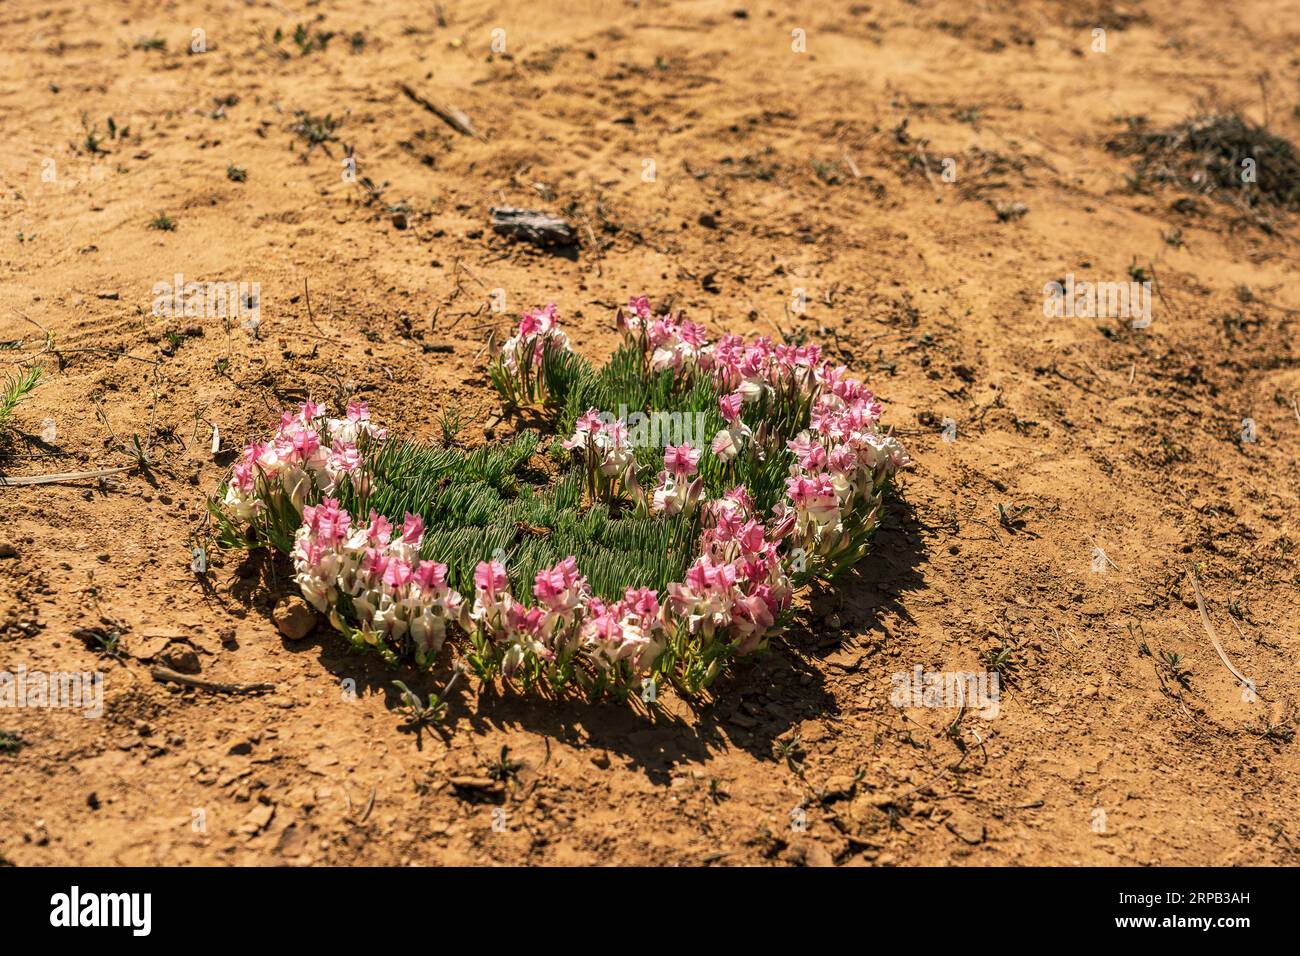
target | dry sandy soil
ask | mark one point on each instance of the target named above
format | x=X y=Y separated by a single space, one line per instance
x=774 y=170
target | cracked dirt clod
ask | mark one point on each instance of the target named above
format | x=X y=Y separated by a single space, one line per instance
x=294 y=617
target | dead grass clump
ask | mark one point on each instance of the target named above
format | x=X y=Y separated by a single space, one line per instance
x=1222 y=155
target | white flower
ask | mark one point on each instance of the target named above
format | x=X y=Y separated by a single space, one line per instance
x=242 y=506
x=725 y=445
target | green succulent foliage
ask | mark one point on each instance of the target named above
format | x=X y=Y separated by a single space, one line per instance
x=480 y=505
x=487 y=504
x=625 y=383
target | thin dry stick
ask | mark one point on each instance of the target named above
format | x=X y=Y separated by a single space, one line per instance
x=848 y=161
x=1240 y=634
x=453 y=117
x=925 y=168
x=310 y=317
x=370 y=805
x=167 y=676
x=1209 y=629
x=65 y=476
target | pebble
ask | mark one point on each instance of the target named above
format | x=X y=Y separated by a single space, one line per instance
x=180 y=658
x=809 y=854
x=147 y=648
x=257 y=818
x=294 y=617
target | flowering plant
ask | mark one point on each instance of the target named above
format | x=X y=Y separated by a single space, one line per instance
x=644 y=561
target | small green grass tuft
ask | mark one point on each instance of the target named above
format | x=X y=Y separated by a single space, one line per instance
x=15 y=390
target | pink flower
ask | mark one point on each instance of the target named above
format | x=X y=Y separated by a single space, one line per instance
x=380 y=530
x=739 y=498
x=431 y=577
x=490 y=579
x=815 y=497
x=374 y=564
x=801 y=445
x=525 y=621
x=412 y=529
x=358 y=411
x=538 y=321
x=693 y=334
x=242 y=477
x=397 y=574
x=561 y=589
x=751 y=537
x=681 y=460
x=343 y=460
x=305 y=444
x=585 y=427
x=327 y=521
x=643 y=603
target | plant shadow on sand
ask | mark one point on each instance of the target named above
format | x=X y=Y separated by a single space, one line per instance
x=751 y=706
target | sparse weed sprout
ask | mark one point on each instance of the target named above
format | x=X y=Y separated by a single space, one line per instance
x=648 y=558
x=14 y=390
x=317 y=131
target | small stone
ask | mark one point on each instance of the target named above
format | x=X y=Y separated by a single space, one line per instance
x=7 y=550
x=839 y=788
x=293 y=842
x=848 y=659
x=257 y=818
x=809 y=854
x=147 y=648
x=180 y=658
x=601 y=760
x=294 y=617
